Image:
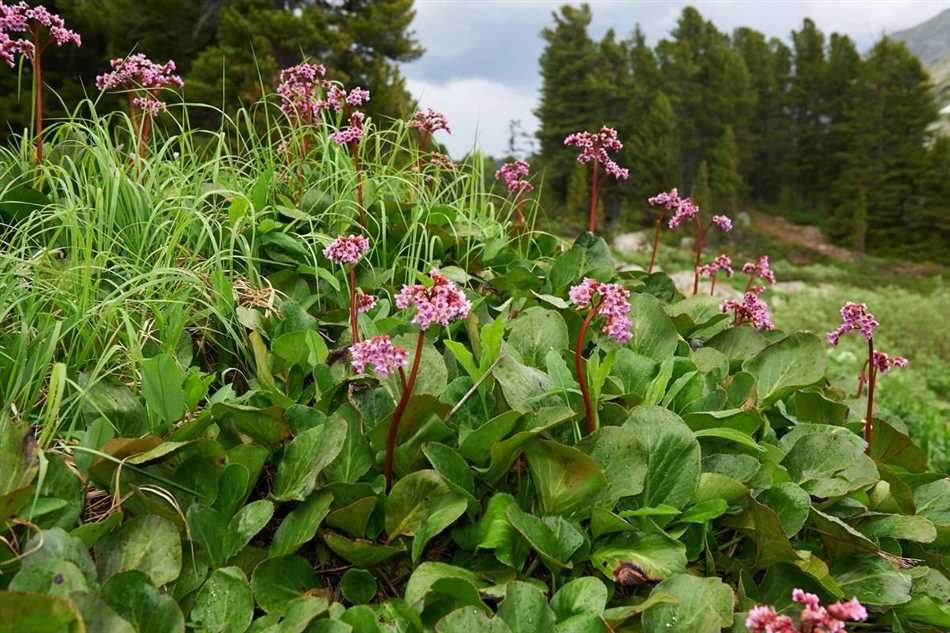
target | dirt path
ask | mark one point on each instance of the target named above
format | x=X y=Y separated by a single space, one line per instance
x=809 y=237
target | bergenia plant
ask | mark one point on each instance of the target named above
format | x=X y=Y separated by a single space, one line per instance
x=813 y=617
x=348 y=250
x=42 y=29
x=758 y=270
x=687 y=211
x=720 y=263
x=513 y=175
x=750 y=309
x=855 y=317
x=609 y=301
x=438 y=303
x=144 y=79
x=350 y=137
x=668 y=201
x=594 y=147
x=428 y=122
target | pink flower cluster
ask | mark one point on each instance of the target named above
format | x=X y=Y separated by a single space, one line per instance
x=884 y=363
x=138 y=71
x=512 y=173
x=439 y=303
x=347 y=249
x=751 y=308
x=364 y=303
x=430 y=121
x=856 y=318
x=669 y=200
x=813 y=618
x=760 y=269
x=722 y=262
x=595 y=145
x=441 y=161
x=16 y=18
x=351 y=134
x=723 y=222
x=338 y=98
x=298 y=90
x=613 y=305
x=685 y=211
x=380 y=353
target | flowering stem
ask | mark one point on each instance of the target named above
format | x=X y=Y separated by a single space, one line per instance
x=144 y=133
x=354 y=326
x=355 y=148
x=869 y=417
x=862 y=378
x=519 y=216
x=592 y=219
x=579 y=367
x=656 y=240
x=712 y=286
x=699 y=253
x=38 y=93
x=748 y=286
x=401 y=408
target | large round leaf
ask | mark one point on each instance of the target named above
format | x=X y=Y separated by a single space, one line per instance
x=147 y=543
x=673 y=456
x=224 y=604
x=704 y=605
x=654 y=335
x=306 y=456
x=537 y=331
x=566 y=479
x=794 y=362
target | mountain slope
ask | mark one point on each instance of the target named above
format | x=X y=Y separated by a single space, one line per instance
x=929 y=40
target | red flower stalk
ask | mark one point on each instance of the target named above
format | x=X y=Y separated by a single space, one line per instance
x=594 y=147
x=349 y=249
x=33 y=21
x=610 y=301
x=512 y=174
x=667 y=201
x=686 y=209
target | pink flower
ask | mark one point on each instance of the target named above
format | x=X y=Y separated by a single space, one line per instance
x=364 y=303
x=760 y=269
x=139 y=72
x=613 y=305
x=380 y=353
x=670 y=200
x=722 y=222
x=337 y=98
x=813 y=618
x=430 y=121
x=750 y=309
x=595 y=145
x=685 y=210
x=440 y=303
x=884 y=363
x=351 y=134
x=856 y=318
x=511 y=173
x=722 y=262
x=347 y=249
x=298 y=90
x=16 y=18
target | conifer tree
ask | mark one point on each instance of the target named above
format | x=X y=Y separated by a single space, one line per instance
x=807 y=111
x=701 y=191
x=859 y=221
x=652 y=151
x=725 y=181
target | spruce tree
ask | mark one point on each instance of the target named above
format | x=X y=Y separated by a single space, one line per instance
x=701 y=192
x=807 y=111
x=725 y=181
x=652 y=151
x=568 y=68
x=859 y=222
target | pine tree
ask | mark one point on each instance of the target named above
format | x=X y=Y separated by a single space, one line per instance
x=652 y=151
x=578 y=191
x=807 y=111
x=859 y=222
x=725 y=181
x=701 y=191
x=568 y=67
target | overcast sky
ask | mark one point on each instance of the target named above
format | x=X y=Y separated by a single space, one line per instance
x=481 y=61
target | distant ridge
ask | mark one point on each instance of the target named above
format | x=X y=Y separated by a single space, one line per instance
x=929 y=40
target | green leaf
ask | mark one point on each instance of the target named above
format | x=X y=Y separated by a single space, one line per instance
x=476 y=445
x=790 y=503
x=39 y=613
x=653 y=333
x=738 y=344
x=933 y=501
x=704 y=605
x=277 y=581
x=899 y=526
x=98 y=616
x=926 y=609
x=245 y=525
x=433 y=374
x=267 y=426
x=305 y=348
x=421 y=504
x=654 y=555
x=132 y=596
x=224 y=604
x=493 y=531
x=581 y=595
x=353 y=517
x=732 y=435
x=470 y=620
x=453 y=468
x=360 y=552
x=503 y=454
x=617 y=453
x=301 y=524
x=55 y=563
x=525 y=609
x=554 y=538
x=147 y=543
x=827 y=461
x=162 y=386
x=794 y=362
x=358 y=586
x=704 y=511
x=875 y=582
x=536 y=332
x=673 y=456
x=429 y=573
x=525 y=388
x=565 y=478
x=305 y=458
x=440 y=516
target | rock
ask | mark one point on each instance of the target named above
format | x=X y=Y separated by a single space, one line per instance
x=743 y=218
x=686 y=243
x=632 y=243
